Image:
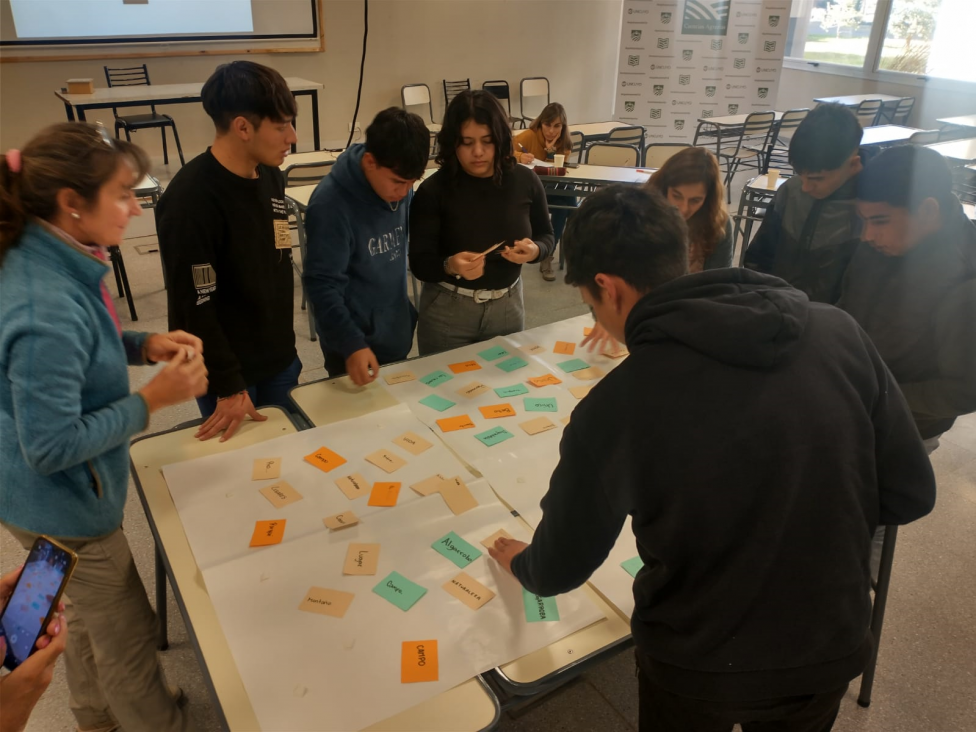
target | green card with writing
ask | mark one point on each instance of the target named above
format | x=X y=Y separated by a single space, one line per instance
x=506 y=392
x=400 y=591
x=436 y=378
x=493 y=354
x=633 y=566
x=510 y=364
x=494 y=436
x=540 y=404
x=456 y=549
x=437 y=402
x=539 y=609
x=574 y=364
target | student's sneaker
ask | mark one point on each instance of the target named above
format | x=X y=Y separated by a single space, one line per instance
x=545 y=267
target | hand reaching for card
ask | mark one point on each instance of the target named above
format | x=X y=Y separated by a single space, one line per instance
x=505 y=550
x=600 y=340
x=524 y=250
x=469 y=265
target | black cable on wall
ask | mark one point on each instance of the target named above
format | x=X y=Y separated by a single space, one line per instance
x=362 y=65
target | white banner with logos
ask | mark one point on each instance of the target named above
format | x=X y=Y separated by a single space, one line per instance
x=686 y=60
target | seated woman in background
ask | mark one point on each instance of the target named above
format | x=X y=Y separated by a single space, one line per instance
x=479 y=200
x=692 y=182
x=547 y=136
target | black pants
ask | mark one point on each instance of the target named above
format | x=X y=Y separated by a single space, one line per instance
x=662 y=711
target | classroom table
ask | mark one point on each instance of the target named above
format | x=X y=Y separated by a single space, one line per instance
x=471 y=705
x=596 y=131
x=878 y=135
x=966 y=120
x=159 y=94
x=598 y=175
x=960 y=151
x=735 y=120
x=852 y=100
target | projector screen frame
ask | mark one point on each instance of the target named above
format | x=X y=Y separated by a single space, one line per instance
x=27 y=51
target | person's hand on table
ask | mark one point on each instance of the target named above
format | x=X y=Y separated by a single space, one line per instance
x=600 y=340
x=524 y=250
x=363 y=367
x=180 y=380
x=163 y=346
x=505 y=550
x=470 y=265
x=227 y=417
x=527 y=158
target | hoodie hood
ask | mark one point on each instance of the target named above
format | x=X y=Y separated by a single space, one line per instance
x=348 y=174
x=735 y=316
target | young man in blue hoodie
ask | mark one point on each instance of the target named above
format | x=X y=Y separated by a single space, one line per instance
x=356 y=263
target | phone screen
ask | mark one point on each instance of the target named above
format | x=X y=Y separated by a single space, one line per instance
x=29 y=605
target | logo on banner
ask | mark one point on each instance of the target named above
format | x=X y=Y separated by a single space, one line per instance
x=629 y=106
x=663 y=43
x=660 y=67
x=743 y=38
x=773 y=21
x=633 y=60
x=658 y=89
x=656 y=113
x=769 y=46
x=717 y=45
x=709 y=91
x=684 y=79
x=706 y=113
x=631 y=11
x=665 y=18
x=687 y=55
x=739 y=63
x=635 y=35
x=631 y=83
x=763 y=92
x=679 y=124
x=733 y=109
x=706 y=17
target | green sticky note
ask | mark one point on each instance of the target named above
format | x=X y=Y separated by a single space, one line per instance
x=543 y=404
x=437 y=402
x=539 y=609
x=436 y=378
x=456 y=549
x=510 y=364
x=633 y=566
x=494 y=436
x=400 y=591
x=575 y=364
x=492 y=354
x=511 y=391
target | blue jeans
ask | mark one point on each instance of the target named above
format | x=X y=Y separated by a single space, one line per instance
x=271 y=392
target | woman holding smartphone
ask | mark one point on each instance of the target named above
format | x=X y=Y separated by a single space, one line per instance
x=473 y=224
x=66 y=413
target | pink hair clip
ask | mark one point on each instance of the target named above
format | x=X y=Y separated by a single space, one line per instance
x=13 y=160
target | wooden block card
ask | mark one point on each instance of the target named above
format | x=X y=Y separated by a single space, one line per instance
x=325 y=459
x=412 y=443
x=457 y=496
x=537 y=425
x=468 y=590
x=489 y=541
x=361 y=559
x=280 y=494
x=418 y=661
x=323 y=601
x=580 y=391
x=399 y=377
x=589 y=374
x=428 y=485
x=266 y=469
x=386 y=461
x=475 y=388
x=341 y=521
x=353 y=486
x=532 y=349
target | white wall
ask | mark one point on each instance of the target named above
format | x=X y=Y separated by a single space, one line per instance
x=574 y=44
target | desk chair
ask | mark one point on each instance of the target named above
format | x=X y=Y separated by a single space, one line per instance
x=298 y=211
x=418 y=95
x=628 y=136
x=878 y=612
x=658 y=153
x=453 y=88
x=308 y=172
x=139 y=76
x=533 y=88
x=924 y=137
x=753 y=204
x=897 y=113
x=500 y=90
x=868 y=111
x=576 y=138
x=778 y=152
x=606 y=153
x=148 y=192
x=758 y=128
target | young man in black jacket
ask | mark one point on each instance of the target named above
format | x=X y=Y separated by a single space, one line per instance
x=226 y=247
x=756 y=439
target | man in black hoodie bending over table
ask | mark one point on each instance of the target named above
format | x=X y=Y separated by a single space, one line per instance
x=756 y=439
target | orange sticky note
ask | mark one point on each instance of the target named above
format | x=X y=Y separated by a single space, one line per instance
x=450 y=424
x=497 y=410
x=267 y=533
x=460 y=368
x=546 y=380
x=325 y=459
x=384 y=494
x=418 y=661
x=565 y=347
x=587 y=331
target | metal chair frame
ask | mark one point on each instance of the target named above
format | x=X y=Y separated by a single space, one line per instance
x=667 y=150
x=868 y=111
x=139 y=76
x=534 y=90
x=500 y=89
x=608 y=147
x=453 y=88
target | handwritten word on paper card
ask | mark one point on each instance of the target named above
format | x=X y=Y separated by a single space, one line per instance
x=428 y=485
x=475 y=388
x=353 y=486
x=386 y=461
x=589 y=374
x=632 y=566
x=489 y=541
x=341 y=521
x=384 y=494
x=540 y=404
x=435 y=378
x=266 y=469
x=618 y=352
x=493 y=354
x=492 y=437
x=574 y=364
x=456 y=549
x=280 y=494
x=399 y=377
x=537 y=425
x=580 y=391
x=539 y=609
x=468 y=590
x=436 y=402
x=325 y=459
x=565 y=348
x=450 y=424
x=532 y=349
x=412 y=443
x=418 y=661
x=495 y=411
x=510 y=364
x=457 y=496
x=464 y=367
x=267 y=533
x=326 y=602
x=361 y=559
x=545 y=380
x=506 y=392
x=397 y=589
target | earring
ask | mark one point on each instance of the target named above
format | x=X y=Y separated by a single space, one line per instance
x=75 y=215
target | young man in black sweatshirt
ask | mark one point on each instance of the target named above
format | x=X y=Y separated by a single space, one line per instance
x=226 y=247
x=756 y=439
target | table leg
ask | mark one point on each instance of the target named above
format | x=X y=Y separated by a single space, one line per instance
x=163 y=641
x=81 y=115
x=69 y=111
x=315 y=118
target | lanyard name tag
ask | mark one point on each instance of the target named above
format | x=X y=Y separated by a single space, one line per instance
x=282 y=234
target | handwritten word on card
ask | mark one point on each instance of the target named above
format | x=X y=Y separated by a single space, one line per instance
x=398 y=590
x=266 y=469
x=489 y=541
x=435 y=378
x=384 y=494
x=539 y=609
x=280 y=494
x=353 y=486
x=510 y=364
x=540 y=404
x=468 y=590
x=574 y=364
x=493 y=354
x=267 y=533
x=386 y=461
x=412 y=443
x=325 y=459
x=537 y=425
x=341 y=521
x=545 y=380
x=496 y=411
x=464 y=366
x=506 y=392
x=399 y=377
x=437 y=402
x=632 y=566
x=456 y=549
x=532 y=348
x=492 y=437
x=565 y=348
x=418 y=661
x=450 y=424
x=457 y=496
x=326 y=602
x=361 y=559
x=475 y=388
x=428 y=485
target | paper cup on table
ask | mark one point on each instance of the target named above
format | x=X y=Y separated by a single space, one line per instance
x=772 y=177
x=560 y=160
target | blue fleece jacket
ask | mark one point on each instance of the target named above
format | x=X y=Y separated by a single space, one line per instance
x=356 y=265
x=66 y=414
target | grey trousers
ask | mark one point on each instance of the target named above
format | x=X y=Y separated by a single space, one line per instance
x=449 y=320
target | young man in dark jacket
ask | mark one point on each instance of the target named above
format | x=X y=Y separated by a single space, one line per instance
x=356 y=263
x=753 y=604
x=811 y=228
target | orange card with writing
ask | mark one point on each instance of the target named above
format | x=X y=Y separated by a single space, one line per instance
x=497 y=410
x=565 y=347
x=384 y=494
x=450 y=424
x=547 y=380
x=325 y=459
x=460 y=368
x=418 y=661
x=267 y=533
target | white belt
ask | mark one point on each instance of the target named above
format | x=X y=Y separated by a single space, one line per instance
x=480 y=296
